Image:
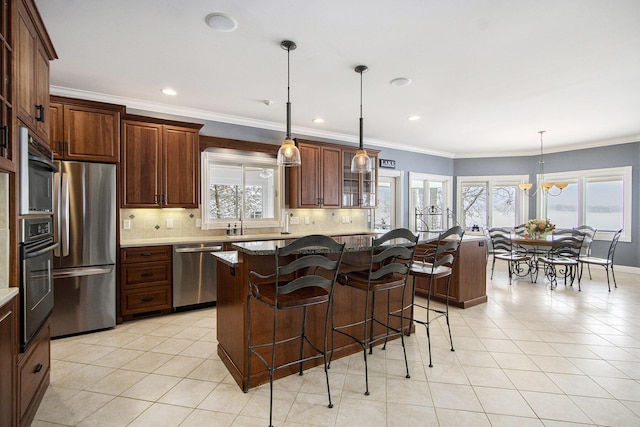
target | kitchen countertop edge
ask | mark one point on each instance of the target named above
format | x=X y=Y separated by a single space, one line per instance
x=6 y=294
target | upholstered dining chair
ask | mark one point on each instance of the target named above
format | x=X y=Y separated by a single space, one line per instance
x=517 y=257
x=563 y=258
x=305 y=275
x=589 y=236
x=607 y=262
x=386 y=271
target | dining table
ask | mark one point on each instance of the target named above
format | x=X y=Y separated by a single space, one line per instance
x=534 y=247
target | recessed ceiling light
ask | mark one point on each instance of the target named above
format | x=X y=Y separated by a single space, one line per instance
x=318 y=120
x=413 y=118
x=221 y=22
x=400 y=82
x=169 y=91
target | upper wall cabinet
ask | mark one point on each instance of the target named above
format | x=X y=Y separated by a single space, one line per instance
x=33 y=52
x=359 y=190
x=85 y=130
x=160 y=163
x=316 y=183
x=6 y=88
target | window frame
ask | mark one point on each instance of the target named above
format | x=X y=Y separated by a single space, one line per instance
x=580 y=177
x=244 y=160
x=522 y=202
x=447 y=191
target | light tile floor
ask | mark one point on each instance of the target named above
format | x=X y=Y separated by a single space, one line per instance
x=528 y=357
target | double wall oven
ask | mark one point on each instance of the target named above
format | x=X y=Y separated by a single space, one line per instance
x=37 y=242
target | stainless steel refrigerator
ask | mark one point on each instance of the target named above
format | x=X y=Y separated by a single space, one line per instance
x=84 y=274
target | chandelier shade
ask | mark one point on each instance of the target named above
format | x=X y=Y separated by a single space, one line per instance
x=542 y=184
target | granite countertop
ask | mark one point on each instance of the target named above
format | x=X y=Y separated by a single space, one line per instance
x=6 y=294
x=229 y=258
x=127 y=243
x=353 y=243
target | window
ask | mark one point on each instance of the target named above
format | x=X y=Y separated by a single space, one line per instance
x=239 y=188
x=598 y=197
x=388 y=214
x=491 y=201
x=430 y=203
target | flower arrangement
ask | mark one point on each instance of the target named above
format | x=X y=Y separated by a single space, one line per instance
x=539 y=227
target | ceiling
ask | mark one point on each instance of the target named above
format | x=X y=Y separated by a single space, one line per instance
x=486 y=75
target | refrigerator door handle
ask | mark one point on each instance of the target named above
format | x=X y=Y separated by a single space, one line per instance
x=56 y=212
x=64 y=215
x=77 y=272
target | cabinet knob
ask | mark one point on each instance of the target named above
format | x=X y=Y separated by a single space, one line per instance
x=4 y=142
x=38 y=368
x=39 y=113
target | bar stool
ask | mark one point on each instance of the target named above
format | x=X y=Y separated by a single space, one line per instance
x=389 y=263
x=436 y=263
x=304 y=276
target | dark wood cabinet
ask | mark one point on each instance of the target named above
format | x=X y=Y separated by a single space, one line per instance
x=7 y=156
x=8 y=352
x=34 y=370
x=160 y=164
x=359 y=190
x=469 y=278
x=33 y=50
x=145 y=280
x=85 y=130
x=317 y=181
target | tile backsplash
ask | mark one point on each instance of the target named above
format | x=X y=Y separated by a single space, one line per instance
x=4 y=230
x=163 y=223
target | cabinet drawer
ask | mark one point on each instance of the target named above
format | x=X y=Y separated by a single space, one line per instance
x=145 y=254
x=34 y=371
x=146 y=274
x=147 y=300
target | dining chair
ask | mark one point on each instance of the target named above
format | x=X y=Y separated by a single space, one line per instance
x=436 y=263
x=518 y=259
x=563 y=257
x=305 y=276
x=605 y=262
x=496 y=240
x=589 y=236
x=387 y=270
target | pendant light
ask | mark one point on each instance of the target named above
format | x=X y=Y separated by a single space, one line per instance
x=361 y=161
x=288 y=154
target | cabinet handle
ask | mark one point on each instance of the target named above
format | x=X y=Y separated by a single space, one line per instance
x=145 y=253
x=4 y=143
x=147 y=274
x=147 y=299
x=38 y=368
x=39 y=113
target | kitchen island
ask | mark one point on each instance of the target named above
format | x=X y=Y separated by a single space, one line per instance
x=233 y=270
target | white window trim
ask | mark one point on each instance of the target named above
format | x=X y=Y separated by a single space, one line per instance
x=447 y=189
x=399 y=194
x=580 y=176
x=522 y=200
x=234 y=159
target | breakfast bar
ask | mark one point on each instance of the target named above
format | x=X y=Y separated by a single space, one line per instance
x=233 y=270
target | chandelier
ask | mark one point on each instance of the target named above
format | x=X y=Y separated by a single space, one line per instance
x=546 y=186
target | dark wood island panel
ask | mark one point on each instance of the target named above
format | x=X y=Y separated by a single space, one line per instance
x=232 y=327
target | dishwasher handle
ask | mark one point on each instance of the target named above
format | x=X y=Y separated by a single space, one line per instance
x=199 y=249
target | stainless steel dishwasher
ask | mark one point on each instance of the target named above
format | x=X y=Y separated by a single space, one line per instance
x=194 y=274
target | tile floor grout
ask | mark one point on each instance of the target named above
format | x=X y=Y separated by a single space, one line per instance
x=529 y=356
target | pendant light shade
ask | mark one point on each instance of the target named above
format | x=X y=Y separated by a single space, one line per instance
x=288 y=154
x=361 y=162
